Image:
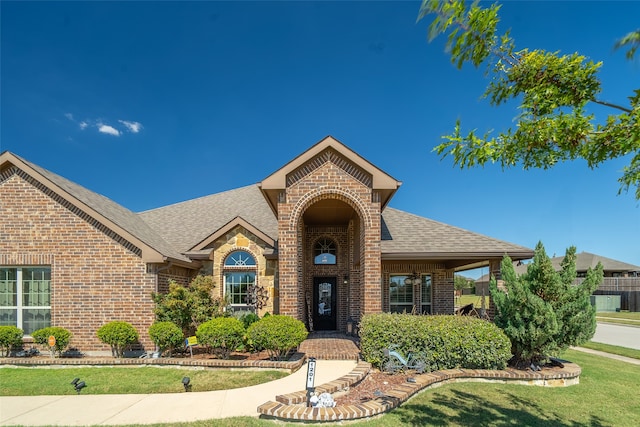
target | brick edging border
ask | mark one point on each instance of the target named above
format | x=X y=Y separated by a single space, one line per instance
x=291 y=406
x=293 y=364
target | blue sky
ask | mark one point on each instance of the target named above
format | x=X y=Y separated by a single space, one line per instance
x=153 y=103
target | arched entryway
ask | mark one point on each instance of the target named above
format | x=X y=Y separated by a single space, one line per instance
x=330 y=236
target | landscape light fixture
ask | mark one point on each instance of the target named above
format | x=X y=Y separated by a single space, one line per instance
x=186 y=382
x=78 y=385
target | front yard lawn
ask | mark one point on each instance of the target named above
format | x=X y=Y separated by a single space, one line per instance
x=108 y=380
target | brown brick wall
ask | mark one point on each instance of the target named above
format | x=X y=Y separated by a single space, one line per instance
x=327 y=181
x=95 y=279
x=442 y=297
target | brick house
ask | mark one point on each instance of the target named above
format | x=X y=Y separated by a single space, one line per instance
x=316 y=239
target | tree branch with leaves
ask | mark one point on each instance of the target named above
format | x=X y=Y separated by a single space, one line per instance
x=554 y=92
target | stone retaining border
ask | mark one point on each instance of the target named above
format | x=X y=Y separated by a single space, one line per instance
x=290 y=406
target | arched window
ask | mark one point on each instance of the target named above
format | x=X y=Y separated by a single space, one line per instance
x=239 y=279
x=324 y=252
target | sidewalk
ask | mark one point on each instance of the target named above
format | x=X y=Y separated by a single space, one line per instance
x=609 y=355
x=77 y=410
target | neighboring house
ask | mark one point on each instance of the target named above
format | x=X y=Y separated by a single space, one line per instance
x=316 y=239
x=618 y=275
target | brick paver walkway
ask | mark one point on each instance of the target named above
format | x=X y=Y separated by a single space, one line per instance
x=330 y=346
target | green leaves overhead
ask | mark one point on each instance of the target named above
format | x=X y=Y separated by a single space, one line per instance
x=554 y=93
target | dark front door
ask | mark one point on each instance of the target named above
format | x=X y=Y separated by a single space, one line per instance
x=324 y=303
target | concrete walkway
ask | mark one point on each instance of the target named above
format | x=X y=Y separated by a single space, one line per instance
x=609 y=355
x=77 y=410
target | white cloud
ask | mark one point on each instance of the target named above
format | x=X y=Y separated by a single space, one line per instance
x=83 y=125
x=108 y=129
x=134 y=127
x=69 y=116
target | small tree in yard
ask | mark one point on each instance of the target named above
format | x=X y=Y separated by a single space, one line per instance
x=189 y=307
x=119 y=335
x=542 y=311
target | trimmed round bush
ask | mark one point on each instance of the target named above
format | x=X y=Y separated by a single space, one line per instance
x=10 y=338
x=222 y=334
x=447 y=342
x=63 y=336
x=166 y=336
x=278 y=334
x=119 y=335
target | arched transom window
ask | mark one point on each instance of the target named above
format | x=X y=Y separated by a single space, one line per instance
x=239 y=279
x=324 y=252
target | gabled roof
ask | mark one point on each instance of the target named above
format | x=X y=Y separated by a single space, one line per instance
x=187 y=225
x=114 y=216
x=586 y=260
x=380 y=181
x=409 y=236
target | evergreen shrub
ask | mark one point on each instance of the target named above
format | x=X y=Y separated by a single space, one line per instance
x=10 y=338
x=119 y=335
x=222 y=334
x=278 y=334
x=447 y=342
x=166 y=336
x=63 y=336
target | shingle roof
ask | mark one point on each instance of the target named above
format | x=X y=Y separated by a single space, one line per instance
x=586 y=260
x=403 y=232
x=186 y=224
x=111 y=210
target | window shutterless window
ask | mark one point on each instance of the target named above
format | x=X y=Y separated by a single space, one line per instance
x=25 y=297
x=324 y=252
x=425 y=294
x=400 y=294
x=239 y=279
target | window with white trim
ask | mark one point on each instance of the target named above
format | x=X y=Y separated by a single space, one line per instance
x=239 y=279
x=400 y=294
x=425 y=294
x=25 y=297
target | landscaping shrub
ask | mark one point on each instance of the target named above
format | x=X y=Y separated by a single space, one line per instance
x=542 y=312
x=119 y=335
x=166 y=336
x=246 y=317
x=10 y=337
x=223 y=335
x=278 y=334
x=189 y=307
x=63 y=336
x=447 y=342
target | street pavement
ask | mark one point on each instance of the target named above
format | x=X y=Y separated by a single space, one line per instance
x=620 y=335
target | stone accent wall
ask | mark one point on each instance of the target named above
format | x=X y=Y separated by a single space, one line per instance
x=96 y=275
x=240 y=238
x=327 y=181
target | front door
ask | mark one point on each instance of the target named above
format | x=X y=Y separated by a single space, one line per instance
x=324 y=303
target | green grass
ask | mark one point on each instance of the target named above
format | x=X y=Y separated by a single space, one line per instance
x=630 y=315
x=613 y=349
x=606 y=396
x=468 y=299
x=620 y=318
x=143 y=380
